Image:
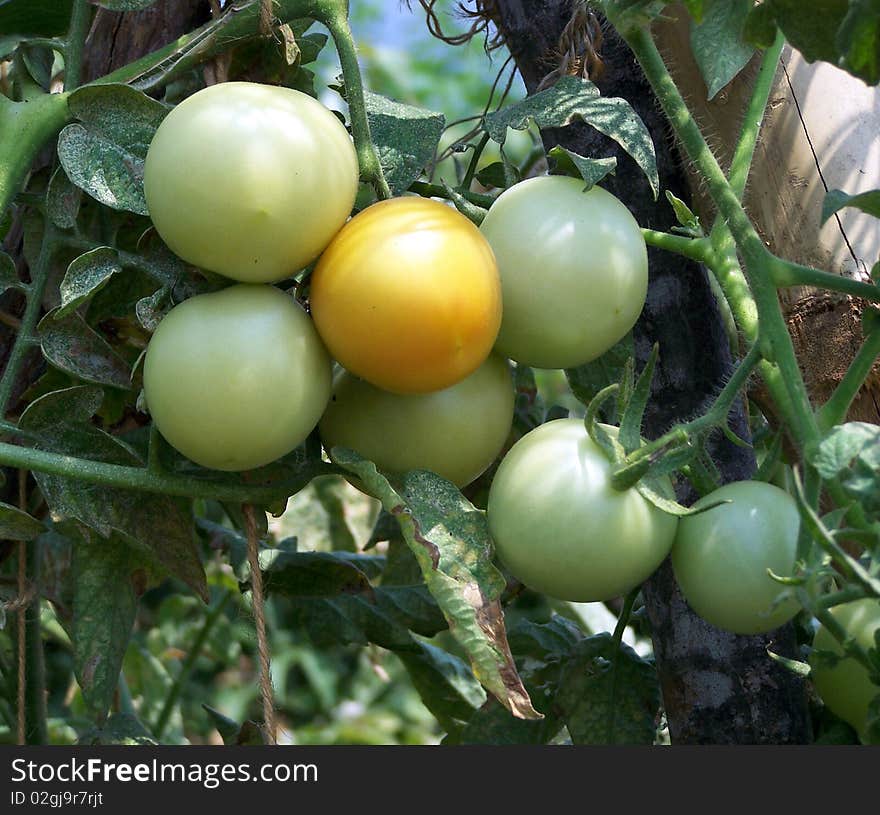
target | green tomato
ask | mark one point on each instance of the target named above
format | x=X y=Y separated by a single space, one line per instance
x=456 y=432
x=250 y=181
x=562 y=529
x=721 y=557
x=237 y=378
x=846 y=687
x=574 y=271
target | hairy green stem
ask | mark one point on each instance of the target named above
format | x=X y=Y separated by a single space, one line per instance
x=189 y=664
x=141 y=479
x=786 y=273
x=80 y=20
x=776 y=344
x=715 y=416
x=39 y=277
x=741 y=162
x=368 y=159
x=835 y=409
x=697 y=249
x=838 y=598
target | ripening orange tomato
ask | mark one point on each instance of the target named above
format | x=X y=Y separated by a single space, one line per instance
x=407 y=296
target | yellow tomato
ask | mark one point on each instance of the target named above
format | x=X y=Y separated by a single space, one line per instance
x=407 y=296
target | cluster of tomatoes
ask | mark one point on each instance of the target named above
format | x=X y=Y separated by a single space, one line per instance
x=423 y=311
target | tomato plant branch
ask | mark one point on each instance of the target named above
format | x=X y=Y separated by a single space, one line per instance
x=80 y=20
x=849 y=566
x=786 y=273
x=427 y=190
x=34 y=690
x=336 y=20
x=25 y=127
x=757 y=259
x=680 y=434
x=698 y=249
x=475 y=160
x=141 y=479
x=834 y=411
x=847 y=643
x=34 y=294
x=195 y=651
x=744 y=151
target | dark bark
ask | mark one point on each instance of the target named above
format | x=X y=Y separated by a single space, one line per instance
x=717 y=687
x=118 y=38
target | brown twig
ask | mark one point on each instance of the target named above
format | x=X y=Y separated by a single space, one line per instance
x=260 y=623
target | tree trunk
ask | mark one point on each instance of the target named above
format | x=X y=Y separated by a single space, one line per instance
x=116 y=38
x=717 y=687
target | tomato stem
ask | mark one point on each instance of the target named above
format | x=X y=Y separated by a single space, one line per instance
x=34 y=295
x=142 y=480
x=80 y=21
x=758 y=260
x=698 y=249
x=835 y=410
x=336 y=21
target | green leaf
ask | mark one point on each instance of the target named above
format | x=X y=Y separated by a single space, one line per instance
x=62 y=200
x=120 y=728
x=450 y=540
x=540 y=651
x=851 y=452
x=162 y=526
x=587 y=380
x=835 y=200
x=85 y=277
x=332 y=598
x=447 y=686
x=17 y=525
x=8 y=275
x=591 y=170
x=810 y=27
x=759 y=28
x=317 y=574
x=529 y=409
x=496 y=175
x=232 y=732
x=695 y=8
x=684 y=215
x=716 y=43
x=102 y=169
x=472 y=212
x=44 y=18
x=573 y=99
x=71 y=345
x=109 y=577
x=406 y=138
x=858 y=40
x=608 y=694
x=652 y=492
x=631 y=422
x=126 y=5
x=38 y=61
x=122 y=115
x=104 y=153
x=150 y=310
